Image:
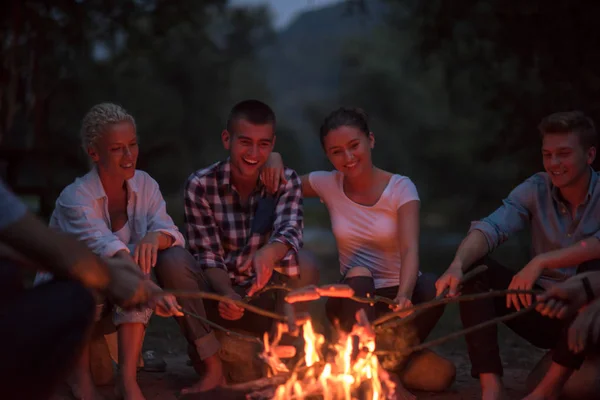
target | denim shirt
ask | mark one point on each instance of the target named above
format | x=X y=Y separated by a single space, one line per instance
x=537 y=203
x=11 y=207
x=82 y=209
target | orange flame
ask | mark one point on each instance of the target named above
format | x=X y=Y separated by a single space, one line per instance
x=352 y=366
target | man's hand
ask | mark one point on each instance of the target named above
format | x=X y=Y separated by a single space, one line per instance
x=127 y=286
x=263 y=262
x=164 y=306
x=563 y=299
x=146 y=251
x=450 y=280
x=524 y=280
x=585 y=330
x=231 y=311
x=273 y=173
x=402 y=301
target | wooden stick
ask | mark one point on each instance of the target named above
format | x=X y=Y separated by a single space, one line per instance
x=222 y=328
x=437 y=301
x=367 y=300
x=218 y=297
x=416 y=312
x=454 y=335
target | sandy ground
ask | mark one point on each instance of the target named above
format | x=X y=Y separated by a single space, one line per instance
x=163 y=336
x=518 y=358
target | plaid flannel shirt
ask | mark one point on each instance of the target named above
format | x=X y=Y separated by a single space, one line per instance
x=218 y=226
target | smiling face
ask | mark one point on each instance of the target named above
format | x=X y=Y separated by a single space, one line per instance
x=349 y=150
x=249 y=147
x=116 y=151
x=565 y=158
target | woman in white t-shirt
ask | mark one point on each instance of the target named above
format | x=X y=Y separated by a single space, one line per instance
x=375 y=220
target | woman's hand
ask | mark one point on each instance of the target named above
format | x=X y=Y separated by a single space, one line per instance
x=272 y=173
x=146 y=251
x=402 y=301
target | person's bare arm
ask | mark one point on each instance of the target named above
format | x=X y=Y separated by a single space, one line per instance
x=580 y=252
x=408 y=230
x=30 y=240
x=472 y=248
x=55 y=252
x=307 y=189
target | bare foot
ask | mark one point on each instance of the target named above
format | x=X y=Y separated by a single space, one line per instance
x=539 y=396
x=129 y=391
x=83 y=388
x=212 y=378
x=492 y=387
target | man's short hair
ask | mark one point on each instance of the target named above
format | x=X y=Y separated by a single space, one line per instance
x=254 y=111
x=571 y=122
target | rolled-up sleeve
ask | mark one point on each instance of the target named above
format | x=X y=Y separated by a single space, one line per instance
x=86 y=222
x=158 y=219
x=289 y=217
x=202 y=232
x=508 y=219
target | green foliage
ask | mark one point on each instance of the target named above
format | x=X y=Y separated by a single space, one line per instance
x=176 y=66
x=455 y=90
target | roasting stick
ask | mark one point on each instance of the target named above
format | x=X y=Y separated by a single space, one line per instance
x=384 y=318
x=218 y=297
x=317 y=290
x=460 y=333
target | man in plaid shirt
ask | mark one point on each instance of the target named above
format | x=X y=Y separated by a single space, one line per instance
x=242 y=235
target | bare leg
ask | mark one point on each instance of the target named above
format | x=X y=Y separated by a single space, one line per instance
x=81 y=382
x=130 y=338
x=492 y=387
x=552 y=383
x=213 y=376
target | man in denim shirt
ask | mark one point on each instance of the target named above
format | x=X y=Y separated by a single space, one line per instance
x=562 y=208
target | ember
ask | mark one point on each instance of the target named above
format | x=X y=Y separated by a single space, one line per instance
x=346 y=369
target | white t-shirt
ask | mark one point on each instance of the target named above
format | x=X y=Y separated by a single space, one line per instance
x=366 y=236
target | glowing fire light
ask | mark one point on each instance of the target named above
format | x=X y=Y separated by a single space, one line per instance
x=343 y=370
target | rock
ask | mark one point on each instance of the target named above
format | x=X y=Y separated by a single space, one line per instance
x=583 y=384
x=392 y=339
x=423 y=370
x=240 y=358
x=428 y=371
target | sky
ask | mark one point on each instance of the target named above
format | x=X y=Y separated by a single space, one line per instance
x=285 y=10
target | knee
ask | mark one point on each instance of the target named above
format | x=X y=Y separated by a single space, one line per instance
x=173 y=263
x=309 y=267
x=174 y=256
x=428 y=371
x=358 y=271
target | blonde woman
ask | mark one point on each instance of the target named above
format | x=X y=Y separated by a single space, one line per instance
x=119 y=211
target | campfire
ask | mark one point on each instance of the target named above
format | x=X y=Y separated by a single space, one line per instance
x=344 y=369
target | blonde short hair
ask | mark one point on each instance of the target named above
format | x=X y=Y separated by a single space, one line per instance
x=98 y=119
